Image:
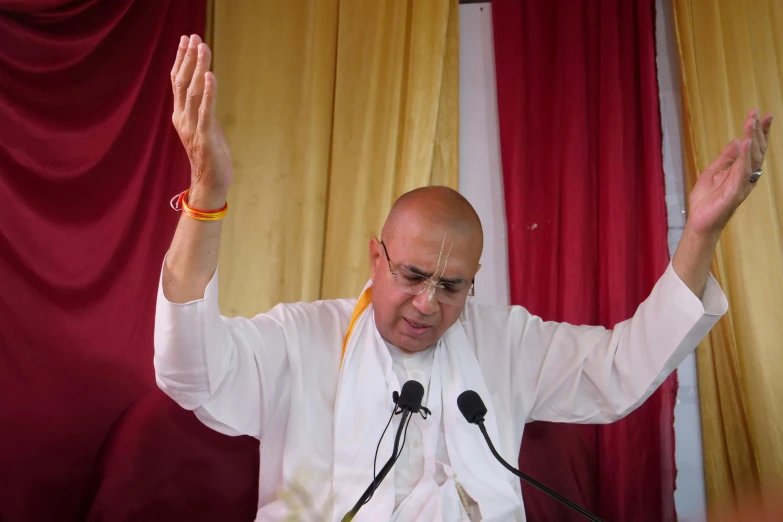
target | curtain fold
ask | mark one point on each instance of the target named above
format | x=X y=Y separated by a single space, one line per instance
x=730 y=58
x=88 y=162
x=332 y=109
x=580 y=140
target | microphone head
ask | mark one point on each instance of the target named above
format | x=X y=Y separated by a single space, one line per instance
x=471 y=406
x=410 y=396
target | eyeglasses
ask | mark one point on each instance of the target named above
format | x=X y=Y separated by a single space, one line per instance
x=413 y=283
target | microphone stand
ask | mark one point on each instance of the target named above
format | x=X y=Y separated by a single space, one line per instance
x=533 y=482
x=384 y=470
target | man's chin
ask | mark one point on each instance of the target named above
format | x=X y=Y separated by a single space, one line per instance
x=415 y=345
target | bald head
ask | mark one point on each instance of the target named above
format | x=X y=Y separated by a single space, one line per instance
x=431 y=234
x=440 y=209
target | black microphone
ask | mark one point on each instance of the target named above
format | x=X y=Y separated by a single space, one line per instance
x=474 y=411
x=408 y=401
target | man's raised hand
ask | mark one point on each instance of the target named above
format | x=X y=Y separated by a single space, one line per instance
x=194 y=89
x=726 y=183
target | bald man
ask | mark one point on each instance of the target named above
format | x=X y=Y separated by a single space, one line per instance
x=314 y=381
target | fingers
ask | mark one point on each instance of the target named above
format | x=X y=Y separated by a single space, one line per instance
x=726 y=158
x=762 y=130
x=759 y=146
x=739 y=183
x=749 y=127
x=206 y=111
x=744 y=157
x=196 y=90
x=185 y=73
x=758 y=131
x=752 y=132
x=766 y=124
x=183 y=46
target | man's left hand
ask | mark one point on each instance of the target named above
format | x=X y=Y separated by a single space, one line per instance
x=718 y=192
x=725 y=184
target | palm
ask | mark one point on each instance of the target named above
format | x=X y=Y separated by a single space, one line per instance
x=725 y=184
x=195 y=90
x=720 y=189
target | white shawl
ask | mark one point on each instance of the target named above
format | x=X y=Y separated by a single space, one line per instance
x=363 y=406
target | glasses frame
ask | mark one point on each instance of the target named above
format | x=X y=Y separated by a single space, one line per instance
x=471 y=291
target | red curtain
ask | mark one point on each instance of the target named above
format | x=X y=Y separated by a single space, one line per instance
x=581 y=150
x=88 y=162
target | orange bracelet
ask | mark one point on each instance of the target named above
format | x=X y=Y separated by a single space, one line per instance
x=180 y=202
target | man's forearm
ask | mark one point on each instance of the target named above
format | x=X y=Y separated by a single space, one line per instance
x=192 y=259
x=693 y=258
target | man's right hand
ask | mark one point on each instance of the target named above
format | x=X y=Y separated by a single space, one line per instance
x=194 y=89
x=193 y=256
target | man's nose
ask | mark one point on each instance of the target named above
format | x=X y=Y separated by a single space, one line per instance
x=424 y=304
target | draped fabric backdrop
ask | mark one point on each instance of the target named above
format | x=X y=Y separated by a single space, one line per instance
x=584 y=189
x=731 y=56
x=332 y=109
x=88 y=162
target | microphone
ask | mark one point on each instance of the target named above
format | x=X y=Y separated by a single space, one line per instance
x=474 y=411
x=408 y=401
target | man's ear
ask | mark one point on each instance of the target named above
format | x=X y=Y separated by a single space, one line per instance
x=375 y=256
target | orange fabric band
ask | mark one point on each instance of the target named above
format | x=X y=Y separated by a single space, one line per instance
x=361 y=305
x=180 y=202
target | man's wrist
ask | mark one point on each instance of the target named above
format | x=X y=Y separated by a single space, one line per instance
x=693 y=258
x=205 y=199
x=700 y=240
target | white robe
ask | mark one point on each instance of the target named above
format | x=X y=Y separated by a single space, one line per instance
x=452 y=452
x=275 y=376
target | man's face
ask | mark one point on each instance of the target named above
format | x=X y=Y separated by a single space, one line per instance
x=415 y=322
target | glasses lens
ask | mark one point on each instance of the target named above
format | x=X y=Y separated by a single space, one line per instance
x=415 y=284
x=409 y=281
x=452 y=296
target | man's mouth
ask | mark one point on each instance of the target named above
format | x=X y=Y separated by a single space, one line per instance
x=421 y=327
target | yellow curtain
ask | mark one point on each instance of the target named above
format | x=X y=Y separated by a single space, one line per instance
x=332 y=109
x=731 y=56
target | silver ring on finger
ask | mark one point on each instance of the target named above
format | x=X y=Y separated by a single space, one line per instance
x=754 y=177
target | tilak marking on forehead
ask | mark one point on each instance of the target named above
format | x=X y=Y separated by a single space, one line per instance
x=440 y=255
x=434 y=283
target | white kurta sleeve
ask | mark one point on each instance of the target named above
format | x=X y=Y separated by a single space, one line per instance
x=230 y=371
x=581 y=374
